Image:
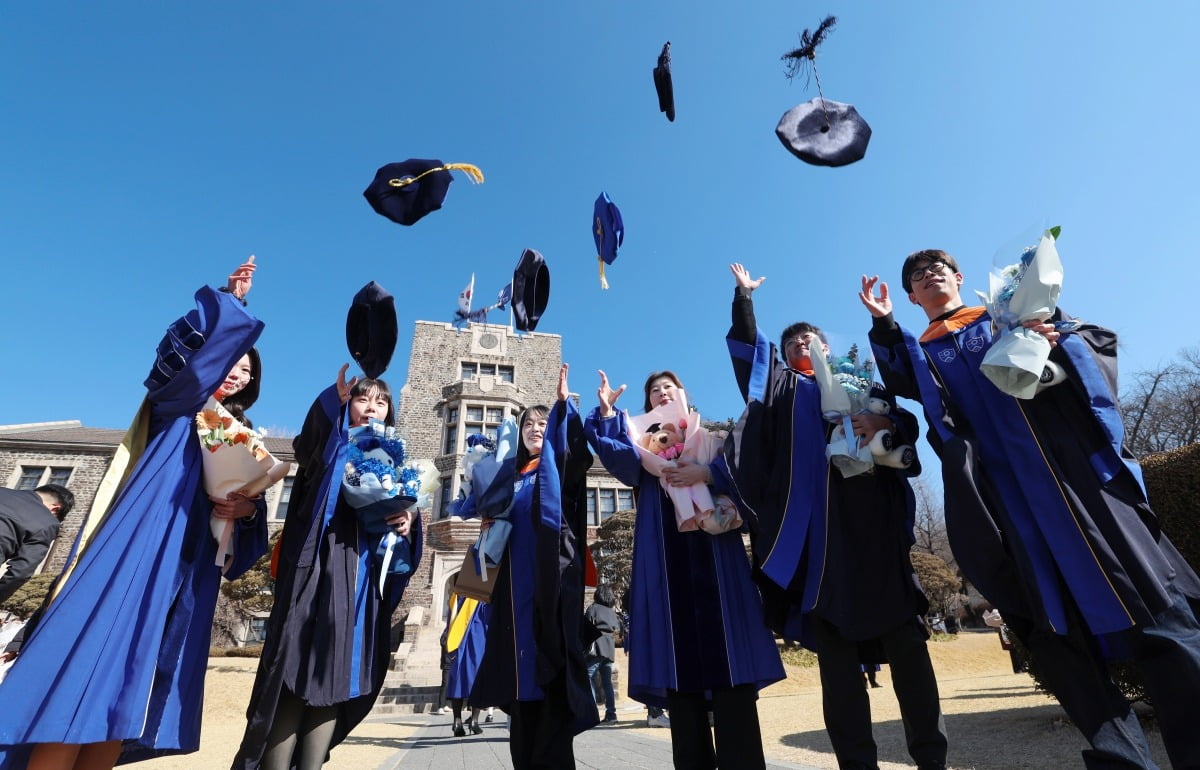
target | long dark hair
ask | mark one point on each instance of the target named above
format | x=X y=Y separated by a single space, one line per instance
x=365 y=384
x=239 y=402
x=670 y=375
x=523 y=455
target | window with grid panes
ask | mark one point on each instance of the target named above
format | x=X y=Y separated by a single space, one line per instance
x=481 y=419
x=31 y=477
x=285 y=496
x=469 y=370
x=451 y=445
x=624 y=499
x=608 y=503
x=592 y=518
x=443 y=506
x=59 y=476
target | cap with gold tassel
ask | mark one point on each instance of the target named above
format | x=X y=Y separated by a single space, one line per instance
x=407 y=191
x=609 y=232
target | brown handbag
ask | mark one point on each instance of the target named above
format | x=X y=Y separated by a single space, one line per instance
x=471 y=585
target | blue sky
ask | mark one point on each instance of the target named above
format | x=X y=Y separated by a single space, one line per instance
x=149 y=147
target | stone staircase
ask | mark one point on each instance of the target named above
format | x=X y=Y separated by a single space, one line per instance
x=415 y=679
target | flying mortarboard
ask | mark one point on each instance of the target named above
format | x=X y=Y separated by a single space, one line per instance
x=821 y=131
x=662 y=83
x=407 y=191
x=609 y=232
x=530 y=290
x=371 y=329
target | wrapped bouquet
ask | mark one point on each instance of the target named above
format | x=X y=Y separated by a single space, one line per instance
x=234 y=459
x=669 y=433
x=848 y=388
x=1026 y=290
x=378 y=484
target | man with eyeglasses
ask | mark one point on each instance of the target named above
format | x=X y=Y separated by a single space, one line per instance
x=1047 y=514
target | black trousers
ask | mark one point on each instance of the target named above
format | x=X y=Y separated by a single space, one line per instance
x=847 y=705
x=539 y=735
x=735 y=723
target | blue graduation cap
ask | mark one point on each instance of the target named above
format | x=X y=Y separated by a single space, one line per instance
x=407 y=191
x=530 y=290
x=609 y=232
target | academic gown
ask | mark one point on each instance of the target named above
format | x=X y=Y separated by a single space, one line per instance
x=465 y=644
x=329 y=633
x=1045 y=507
x=121 y=651
x=828 y=545
x=698 y=616
x=534 y=638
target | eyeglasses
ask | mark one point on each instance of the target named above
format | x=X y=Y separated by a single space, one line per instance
x=933 y=268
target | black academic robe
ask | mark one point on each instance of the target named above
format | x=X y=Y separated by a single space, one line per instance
x=828 y=545
x=1045 y=506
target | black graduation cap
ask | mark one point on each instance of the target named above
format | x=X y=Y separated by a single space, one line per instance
x=407 y=191
x=821 y=131
x=662 y=83
x=530 y=290
x=608 y=231
x=824 y=132
x=371 y=329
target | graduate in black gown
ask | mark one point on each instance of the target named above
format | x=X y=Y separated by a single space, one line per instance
x=1047 y=513
x=534 y=666
x=832 y=552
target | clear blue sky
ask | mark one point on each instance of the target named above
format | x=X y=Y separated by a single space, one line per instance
x=149 y=147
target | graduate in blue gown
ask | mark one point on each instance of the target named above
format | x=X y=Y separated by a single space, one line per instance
x=466 y=638
x=1047 y=514
x=534 y=666
x=701 y=642
x=328 y=638
x=114 y=668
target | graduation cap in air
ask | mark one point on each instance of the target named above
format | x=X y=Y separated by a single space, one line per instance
x=609 y=232
x=371 y=329
x=407 y=191
x=662 y=83
x=820 y=131
x=530 y=290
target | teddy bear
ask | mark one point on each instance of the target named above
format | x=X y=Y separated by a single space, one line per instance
x=664 y=440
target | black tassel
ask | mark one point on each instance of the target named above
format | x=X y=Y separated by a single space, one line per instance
x=799 y=59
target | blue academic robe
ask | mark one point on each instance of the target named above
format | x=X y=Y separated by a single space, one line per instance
x=329 y=633
x=828 y=545
x=698 y=616
x=534 y=641
x=466 y=657
x=1045 y=506
x=121 y=652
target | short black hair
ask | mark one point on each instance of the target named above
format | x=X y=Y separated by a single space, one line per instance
x=364 y=385
x=928 y=256
x=63 y=496
x=604 y=595
x=796 y=329
x=523 y=455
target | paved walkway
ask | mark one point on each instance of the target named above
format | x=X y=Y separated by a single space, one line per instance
x=607 y=747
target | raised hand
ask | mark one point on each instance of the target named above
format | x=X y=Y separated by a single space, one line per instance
x=563 y=391
x=742 y=276
x=343 y=387
x=240 y=280
x=608 y=396
x=879 y=306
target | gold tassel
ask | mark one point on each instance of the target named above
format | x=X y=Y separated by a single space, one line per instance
x=603 y=280
x=473 y=173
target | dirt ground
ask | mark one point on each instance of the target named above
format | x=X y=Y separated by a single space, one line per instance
x=995 y=719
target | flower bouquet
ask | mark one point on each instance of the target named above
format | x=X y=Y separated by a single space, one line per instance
x=378 y=484
x=669 y=433
x=845 y=384
x=1027 y=290
x=234 y=459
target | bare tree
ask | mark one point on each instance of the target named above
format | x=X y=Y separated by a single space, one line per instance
x=1162 y=408
x=613 y=551
x=929 y=524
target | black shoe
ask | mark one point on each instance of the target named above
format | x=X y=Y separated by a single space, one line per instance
x=475 y=728
x=458 y=730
